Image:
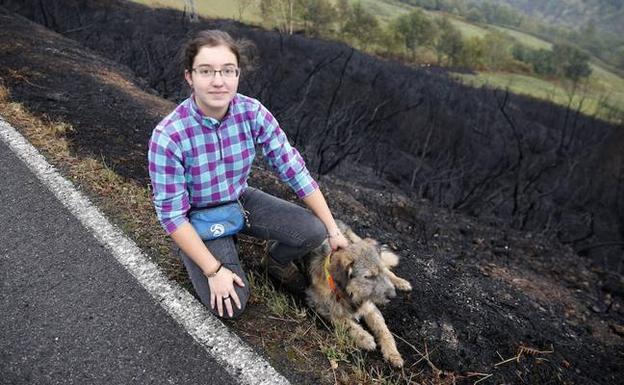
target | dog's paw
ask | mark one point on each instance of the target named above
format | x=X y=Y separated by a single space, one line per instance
x=366 y=342
x=403 y=284
x=394 y=358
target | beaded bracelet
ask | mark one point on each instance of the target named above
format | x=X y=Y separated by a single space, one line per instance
x=216 y=271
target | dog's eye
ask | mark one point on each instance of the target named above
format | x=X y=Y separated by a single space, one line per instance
x=370 y=276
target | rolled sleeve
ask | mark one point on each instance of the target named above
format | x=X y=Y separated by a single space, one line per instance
x=303 y=184
x=283 y=158
x=169 y=192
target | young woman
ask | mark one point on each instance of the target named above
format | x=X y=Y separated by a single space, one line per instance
x=200 y=156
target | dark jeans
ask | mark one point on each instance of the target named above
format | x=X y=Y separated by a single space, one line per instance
x=296 y=230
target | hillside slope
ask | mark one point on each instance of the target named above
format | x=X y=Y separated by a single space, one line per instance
x=482 y=289
x=606 y=16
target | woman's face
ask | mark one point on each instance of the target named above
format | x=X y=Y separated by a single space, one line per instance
x=213 y=92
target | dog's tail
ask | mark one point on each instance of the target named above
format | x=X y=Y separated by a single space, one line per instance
x=388 y=258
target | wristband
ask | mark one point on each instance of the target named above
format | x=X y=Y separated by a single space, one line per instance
x=211 y=275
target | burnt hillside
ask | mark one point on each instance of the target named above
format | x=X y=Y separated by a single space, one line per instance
x=520 y=162
x=483 y=292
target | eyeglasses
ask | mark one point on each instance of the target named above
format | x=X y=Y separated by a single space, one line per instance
x=209 y=73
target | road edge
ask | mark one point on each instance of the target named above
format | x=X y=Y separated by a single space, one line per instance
x=236 y=357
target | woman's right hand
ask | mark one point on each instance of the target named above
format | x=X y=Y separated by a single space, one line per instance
x=222 y=291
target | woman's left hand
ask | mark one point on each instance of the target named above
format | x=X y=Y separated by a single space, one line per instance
x=338 y=241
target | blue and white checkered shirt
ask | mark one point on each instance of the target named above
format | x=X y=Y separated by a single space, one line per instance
x=198 y=161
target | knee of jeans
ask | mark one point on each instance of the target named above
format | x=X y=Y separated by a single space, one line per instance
x=315 y=234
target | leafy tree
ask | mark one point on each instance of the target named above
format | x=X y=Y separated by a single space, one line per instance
x=279 y=13
x=343 y=11
x=543 y=62
x=492 y=52
x=361 y=27
x=572 y=63
x=500 y=14
x=388 y=43
x=497 y=53
x=521 y=52
x=449 y=42
x=475 y=15
x=414 y=30
x=318 y=17
x=473 y=54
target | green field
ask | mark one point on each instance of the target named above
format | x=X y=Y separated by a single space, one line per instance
x=385 y=10
x=598 y=100
x=225 y=9
x=603 y=91
x=524 y=38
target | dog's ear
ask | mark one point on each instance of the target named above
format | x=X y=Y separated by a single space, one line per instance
x=341 y=269
x=388 y=258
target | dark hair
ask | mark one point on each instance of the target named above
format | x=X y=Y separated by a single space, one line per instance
x=243 y=49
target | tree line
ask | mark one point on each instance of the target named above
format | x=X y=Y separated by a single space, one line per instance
x=417 y=38
x=608 y=46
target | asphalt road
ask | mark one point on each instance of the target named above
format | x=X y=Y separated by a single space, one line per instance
x=69 y=312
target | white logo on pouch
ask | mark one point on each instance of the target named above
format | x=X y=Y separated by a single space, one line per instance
x=217 y=229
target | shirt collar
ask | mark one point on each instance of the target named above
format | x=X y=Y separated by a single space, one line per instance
x=207 y=121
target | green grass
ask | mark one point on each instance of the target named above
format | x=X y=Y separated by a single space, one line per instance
x=524 y=38
x=280 y=303
x=595 y=92
x=225 y=9
x=384 y=10
x=608 y=82
x=468 y=30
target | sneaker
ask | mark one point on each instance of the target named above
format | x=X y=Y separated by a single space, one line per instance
x=289 y=276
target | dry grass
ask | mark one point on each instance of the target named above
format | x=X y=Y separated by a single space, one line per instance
x=279 y=303
x=4 y=94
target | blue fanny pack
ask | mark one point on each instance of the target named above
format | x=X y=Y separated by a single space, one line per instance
x=220 y=221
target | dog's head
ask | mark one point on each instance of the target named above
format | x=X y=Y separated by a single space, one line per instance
x=360 y=271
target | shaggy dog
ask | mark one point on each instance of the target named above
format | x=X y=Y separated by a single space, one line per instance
x=346 y=286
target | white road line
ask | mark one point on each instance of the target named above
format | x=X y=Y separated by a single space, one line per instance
x=229 y=350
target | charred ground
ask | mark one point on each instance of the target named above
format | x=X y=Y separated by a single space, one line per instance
x=481 y=287
x=535 y=166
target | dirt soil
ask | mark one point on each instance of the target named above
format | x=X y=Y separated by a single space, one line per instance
x=482 y=293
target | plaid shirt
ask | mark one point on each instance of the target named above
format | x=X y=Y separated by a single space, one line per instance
x=196 y=161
